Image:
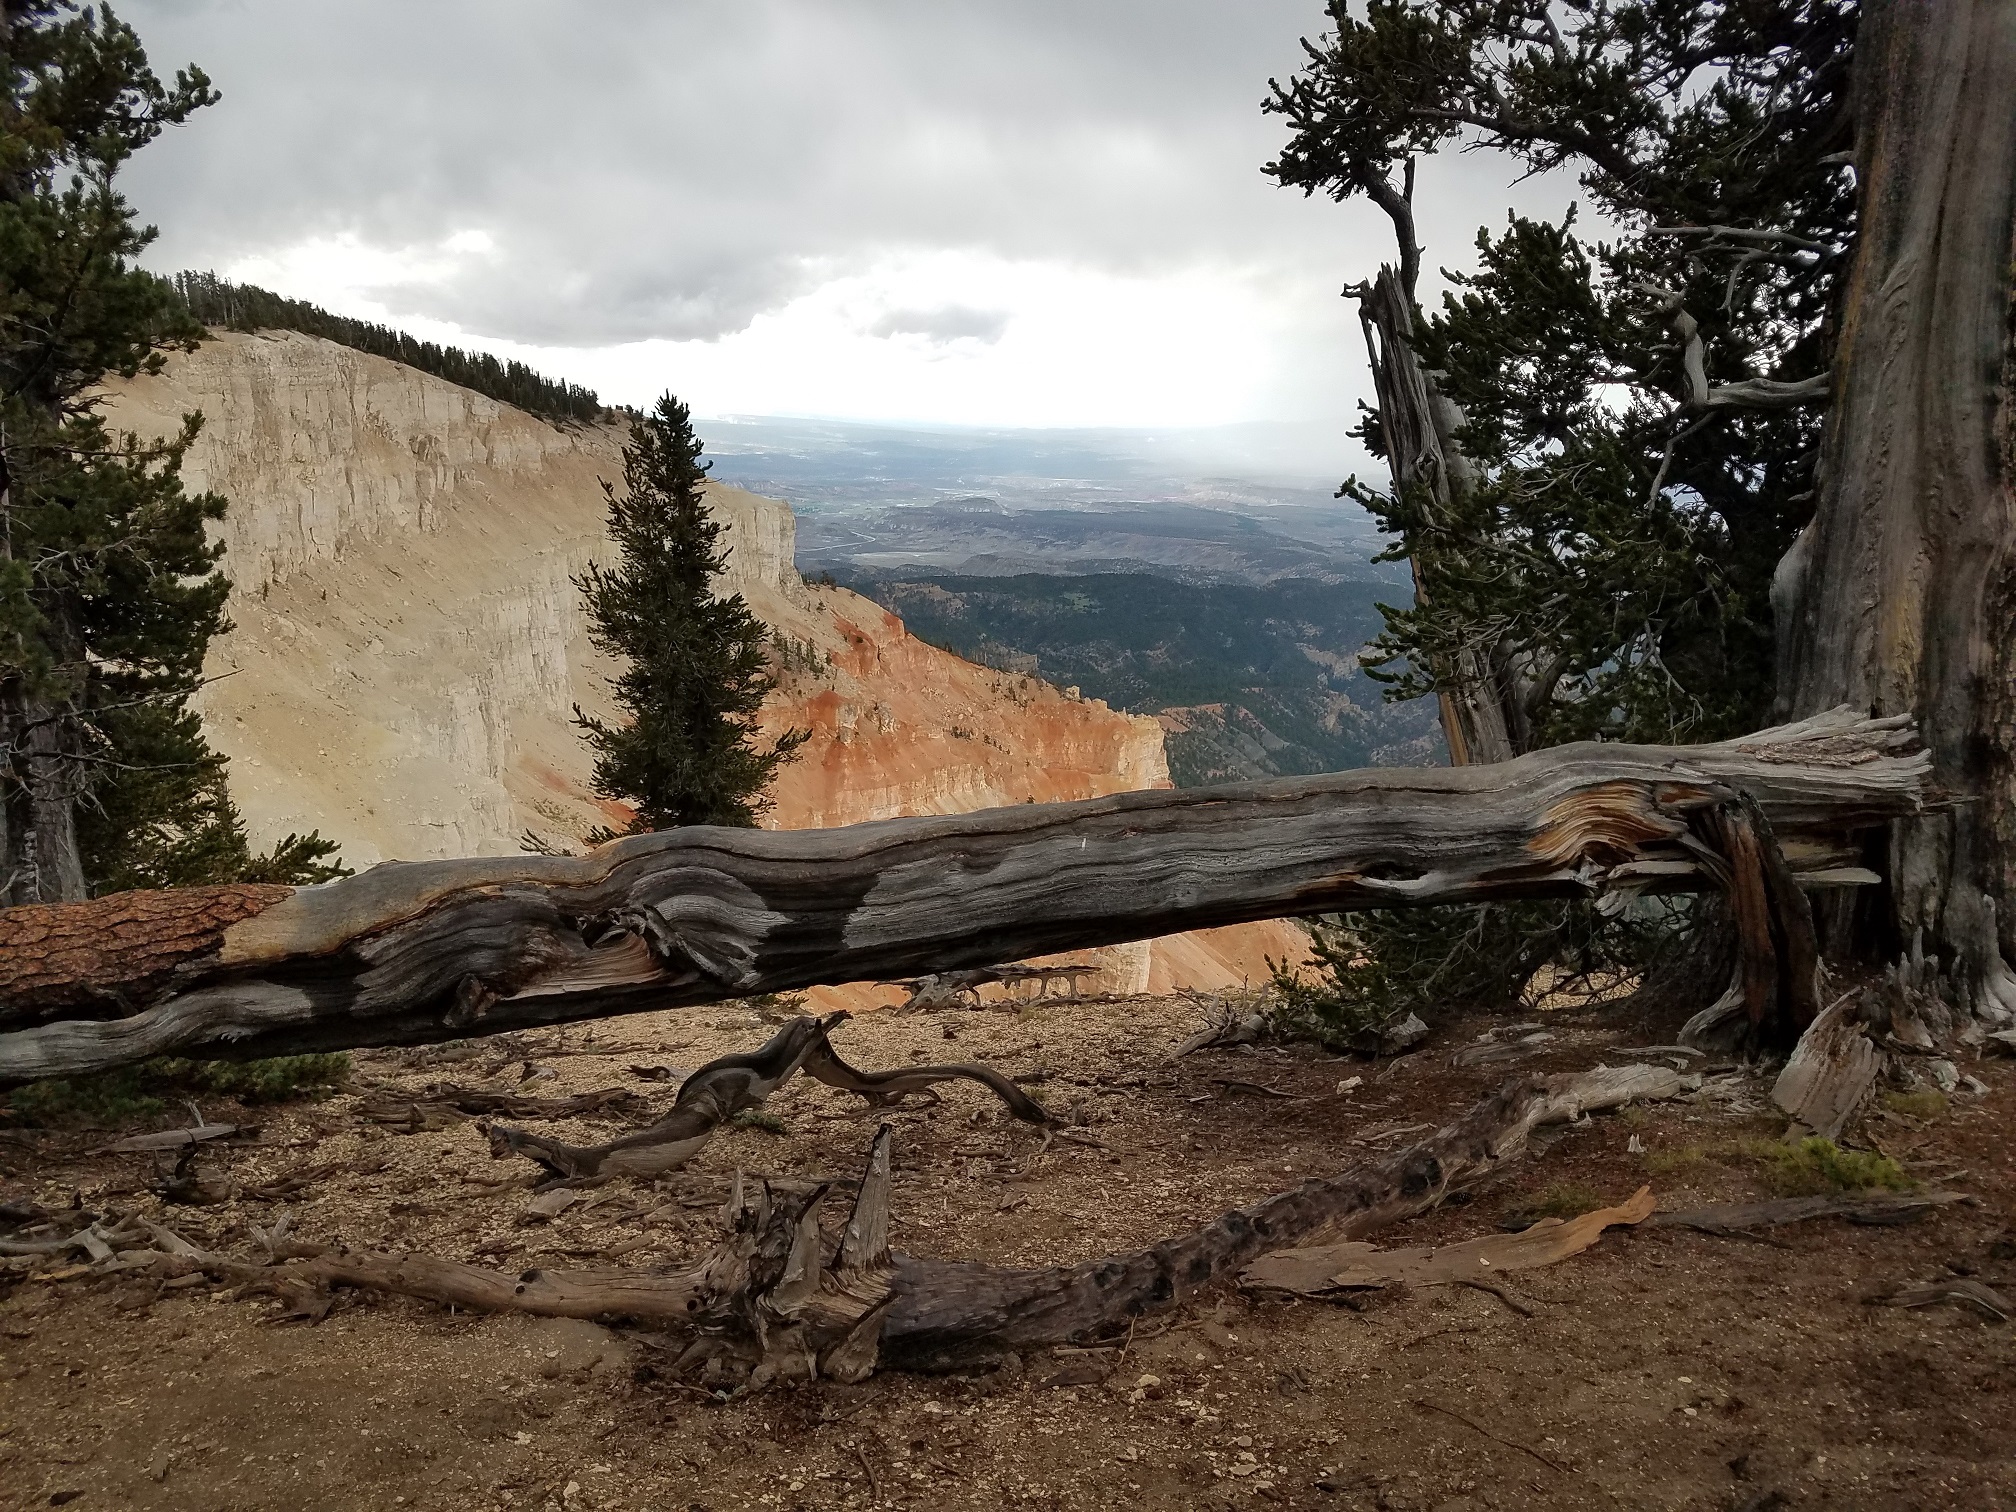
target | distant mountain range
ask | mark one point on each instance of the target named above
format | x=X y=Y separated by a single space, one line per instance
x=1200 y=506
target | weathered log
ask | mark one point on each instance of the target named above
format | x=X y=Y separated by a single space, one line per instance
x=409 y=953
x=771 y=1303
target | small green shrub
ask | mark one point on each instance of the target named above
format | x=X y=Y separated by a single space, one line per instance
x=1377 y=966
x=145 y=1090
x=759 y=1118
x=1676 y=1161
x=1809 y=1167
x=1930 y=1103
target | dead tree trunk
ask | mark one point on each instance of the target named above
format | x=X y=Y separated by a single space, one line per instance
x=1900 y=596
x=778 y=1300
x=1429 y=469
x=418 y=952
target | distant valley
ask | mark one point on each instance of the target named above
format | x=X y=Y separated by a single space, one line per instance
x=1246 y=680
x=1164 y=574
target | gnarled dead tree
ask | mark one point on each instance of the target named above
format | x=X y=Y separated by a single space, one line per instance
x=780 y=1299
x=410 y=953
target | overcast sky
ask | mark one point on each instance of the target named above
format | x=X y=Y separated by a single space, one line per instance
x=1022 y=212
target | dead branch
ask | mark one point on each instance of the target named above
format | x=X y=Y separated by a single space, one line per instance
x=734 y=1084
x=778 y=1300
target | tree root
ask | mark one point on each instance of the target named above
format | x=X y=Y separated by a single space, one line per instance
x=777 y=1300
x=734 y=1084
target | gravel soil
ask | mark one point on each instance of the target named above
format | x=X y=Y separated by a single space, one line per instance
x=1661 y=1369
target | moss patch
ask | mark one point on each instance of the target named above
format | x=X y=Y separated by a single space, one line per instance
x=1812 y=1166
x=1676 y=1161
x=759 y=1118
x=1930 y=1103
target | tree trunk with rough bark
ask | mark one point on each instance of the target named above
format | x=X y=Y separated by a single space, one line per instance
x=1418 y=426
x=409 y=953
x=1900 y=596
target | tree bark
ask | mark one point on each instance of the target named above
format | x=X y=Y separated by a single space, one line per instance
x=1900 y=596
x=1429 y=469
x=410 y=953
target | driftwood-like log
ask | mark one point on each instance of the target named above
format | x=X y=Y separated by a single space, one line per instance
x=778 y=1299
x=409 y=953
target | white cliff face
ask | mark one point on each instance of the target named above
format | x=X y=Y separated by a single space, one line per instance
x=408 y=644
x=409 y=648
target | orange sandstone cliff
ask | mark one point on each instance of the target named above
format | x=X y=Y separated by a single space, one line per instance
x=408 y=646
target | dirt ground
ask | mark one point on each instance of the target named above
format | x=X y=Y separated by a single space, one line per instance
x=1661 y=1369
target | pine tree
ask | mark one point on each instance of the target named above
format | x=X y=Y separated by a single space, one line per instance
x=109 y=589
x=697 y=666
x=1634 y=424
x=1600 y=452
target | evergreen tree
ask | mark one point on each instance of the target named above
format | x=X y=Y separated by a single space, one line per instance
x=1638 y=419
x=697 y=667
x=109 y=590
x=1600 y=451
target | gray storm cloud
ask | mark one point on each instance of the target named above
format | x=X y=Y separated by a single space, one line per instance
x=947 y=323
x=672 y=170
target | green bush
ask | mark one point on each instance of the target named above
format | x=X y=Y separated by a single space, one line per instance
x=1376 y=967
x=1810 y=1167
x=1927 y=1103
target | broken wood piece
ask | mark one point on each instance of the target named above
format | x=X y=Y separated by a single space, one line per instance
x=1743 y=1217
x=167 y=1139
x=419 y=952
x=1343 y=1267
x=1962 y=1290
x=1831 y=1074
x=707 y=1099
x=552 y=1203
x=292 y=1182
x=1497 y=1052
x=1252 y=1089
x=879 y=1088
x=484 y=1104
x=733 y=1085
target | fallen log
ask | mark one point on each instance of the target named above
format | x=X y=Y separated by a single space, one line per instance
x=411 y=953
x=778 y=1299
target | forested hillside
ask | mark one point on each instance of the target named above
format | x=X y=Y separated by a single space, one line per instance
x=1248 y=681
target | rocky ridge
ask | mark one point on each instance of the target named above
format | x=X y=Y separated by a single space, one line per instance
x=408 y=646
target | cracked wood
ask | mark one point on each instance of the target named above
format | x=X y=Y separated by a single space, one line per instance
x=411 y=953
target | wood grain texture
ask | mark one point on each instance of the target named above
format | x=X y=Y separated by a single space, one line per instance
x=410 y=953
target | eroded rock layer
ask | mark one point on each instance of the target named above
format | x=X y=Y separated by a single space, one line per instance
x=408 y=646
